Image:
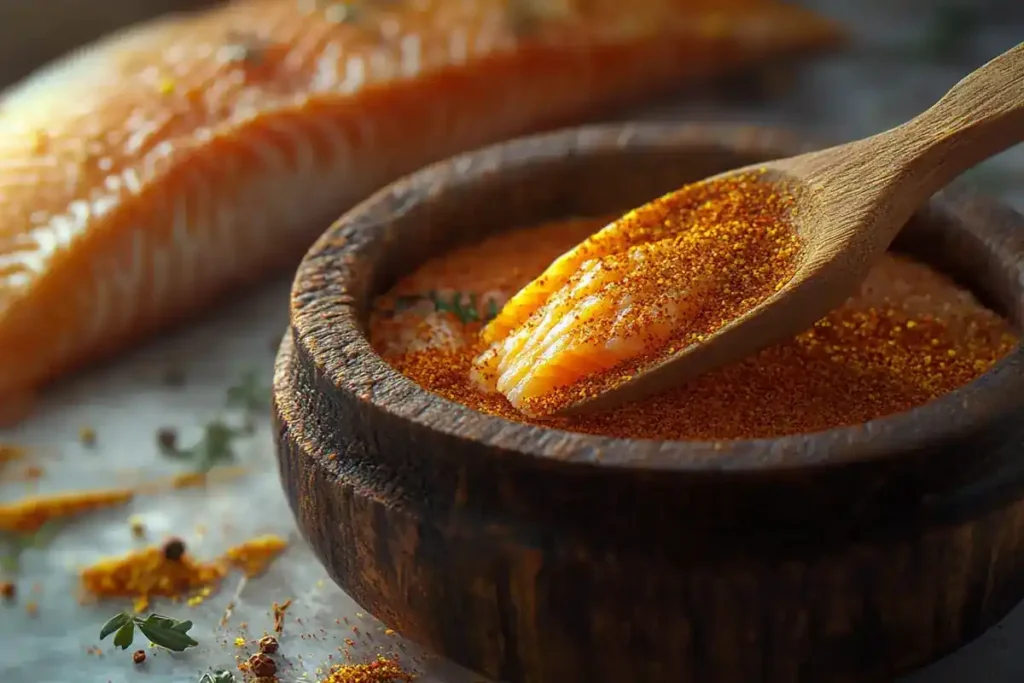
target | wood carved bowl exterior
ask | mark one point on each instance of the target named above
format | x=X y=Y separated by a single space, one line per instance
x=533 y=555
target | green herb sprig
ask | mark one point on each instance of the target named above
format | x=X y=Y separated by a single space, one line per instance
x=214 y=447
x=465 y=307
x=223 y=676
x=162 y=631
x=10 y=562
x=217 y=444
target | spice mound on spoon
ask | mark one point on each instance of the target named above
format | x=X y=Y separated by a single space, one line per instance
x=719 y=269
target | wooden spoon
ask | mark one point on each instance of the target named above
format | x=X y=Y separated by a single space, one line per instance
x=850 y=203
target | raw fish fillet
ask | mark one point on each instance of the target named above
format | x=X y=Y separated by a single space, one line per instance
x=144 y=177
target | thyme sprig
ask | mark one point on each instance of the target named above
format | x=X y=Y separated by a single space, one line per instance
x=216 y=446
x=10 y=562
x=465 y=307
x=223 y=676
x=162 y=631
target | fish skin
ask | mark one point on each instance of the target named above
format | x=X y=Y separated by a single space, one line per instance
x=144 y=177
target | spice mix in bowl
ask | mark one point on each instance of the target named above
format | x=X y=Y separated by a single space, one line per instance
x=838 y=507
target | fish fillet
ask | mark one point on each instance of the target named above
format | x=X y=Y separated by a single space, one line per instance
x=147 y=175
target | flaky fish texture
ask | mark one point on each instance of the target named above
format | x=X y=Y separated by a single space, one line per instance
x=145 y=176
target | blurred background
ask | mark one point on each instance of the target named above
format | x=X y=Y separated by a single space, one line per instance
x=904 y=53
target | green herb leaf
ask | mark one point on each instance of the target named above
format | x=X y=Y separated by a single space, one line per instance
x=166 y=635
x=250 y=394
x=114 y=623
x=492 y=310
x=125 y=635
x=218 y=677
x=182 y=626
x=44 y=535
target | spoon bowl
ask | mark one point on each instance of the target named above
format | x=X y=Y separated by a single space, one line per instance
x=850 y=202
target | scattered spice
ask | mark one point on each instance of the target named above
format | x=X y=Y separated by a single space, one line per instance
x=33 y=472
x=87 y=435
x=139 y=656
x=381 y=670
x=8 y=590
x=239 y=642
x=167 y=440
x=137 y=527
x=149 y=572
x=268 y=644
x=909 y=336
x=174 y=550
x=261 y=665
x=279 y=612
x=32 y=608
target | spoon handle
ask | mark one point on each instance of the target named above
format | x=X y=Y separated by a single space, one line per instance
x=979 y=117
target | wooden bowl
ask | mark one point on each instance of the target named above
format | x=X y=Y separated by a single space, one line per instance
x=541 y=556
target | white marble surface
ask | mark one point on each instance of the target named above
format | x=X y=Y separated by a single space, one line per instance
x=126 y=402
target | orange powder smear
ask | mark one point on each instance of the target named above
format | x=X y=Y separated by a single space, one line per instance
x=28 y=515
x=909 y=336
x=10 y=453
x=147 y=573
x=660 y=278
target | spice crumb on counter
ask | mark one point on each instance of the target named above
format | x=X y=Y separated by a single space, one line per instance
x=87 y=436
x=279 y=610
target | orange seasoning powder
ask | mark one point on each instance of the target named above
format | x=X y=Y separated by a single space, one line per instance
x=662 y=277
x=381 y=670
x=909 y=336
x=153 y=571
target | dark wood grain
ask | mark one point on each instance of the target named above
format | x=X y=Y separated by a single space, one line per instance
x=540 y=556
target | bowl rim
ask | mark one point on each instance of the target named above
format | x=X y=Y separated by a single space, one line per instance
x=960 y=414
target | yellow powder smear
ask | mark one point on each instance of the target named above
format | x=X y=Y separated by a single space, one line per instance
x=147 y=573
x=10 y=453
x=30 y=514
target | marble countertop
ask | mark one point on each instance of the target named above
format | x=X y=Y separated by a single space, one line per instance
x=870 y=87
